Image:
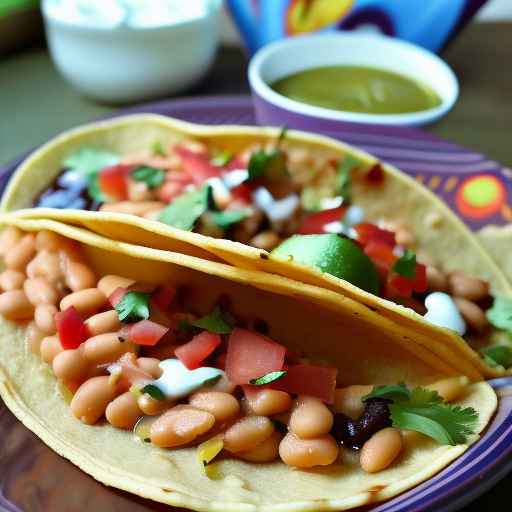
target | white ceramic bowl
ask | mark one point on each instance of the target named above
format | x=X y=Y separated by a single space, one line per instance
x=292 y=55
x=125 y=64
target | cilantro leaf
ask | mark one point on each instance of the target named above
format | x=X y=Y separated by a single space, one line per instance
x=158 y=149
x=88 y=161
x=134 y=306
x=151 y=176
x=226 y=218
x=345 y=167
x=499 y=355
x=184 y=211
x=268 y=378
x=222 y=158
x=406 y=264
x=153 y=391
x=214 y=322
x=389 y=392
x=500 y=315
x=94 y=189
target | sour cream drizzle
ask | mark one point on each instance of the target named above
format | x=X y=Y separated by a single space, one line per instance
x=177 y=381
x=443 y=311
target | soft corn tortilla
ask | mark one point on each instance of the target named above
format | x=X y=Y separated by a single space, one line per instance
x=398 y=198
x=498 y=242
x=318 y=322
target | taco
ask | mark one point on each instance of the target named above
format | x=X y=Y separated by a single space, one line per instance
x=390 y=243
x=204 y=386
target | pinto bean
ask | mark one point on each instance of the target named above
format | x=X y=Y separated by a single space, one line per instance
x=468 y=287
x=451 y=388
x=267 y=451
x=14 y=305
x=106 y=348
x=9 y=238
x=19 y=256
x=92 y=398
x=436 y=280
x=50 y=347
x=86 y=302
x=222 y=405
x=34 y=338
x=151 y=406
x=310 y=418
x=101 y=323
x=70 y=366
x=150 y=365
x=79 y=276
x=348 y=400
x=473 y=314
x=180 y=425
x=40 y=291
x=307 y=453
x=123 y=412
x=247 y=433
x=267 y=402
x=44 y=317
x=11 y=280
x=49 y=241
x=46 y=264
x=109 y=284
x=381 y=450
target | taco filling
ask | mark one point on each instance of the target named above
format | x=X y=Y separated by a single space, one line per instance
x=140 y=357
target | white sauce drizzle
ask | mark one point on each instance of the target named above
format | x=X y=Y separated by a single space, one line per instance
x=442 y=311
x=276 y=211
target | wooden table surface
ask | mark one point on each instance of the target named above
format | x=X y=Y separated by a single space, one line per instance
x=35 y=104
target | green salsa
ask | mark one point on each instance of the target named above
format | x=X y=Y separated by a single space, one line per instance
x=358 y=89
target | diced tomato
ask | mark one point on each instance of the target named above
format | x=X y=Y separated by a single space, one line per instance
x=242 y=193
x=193 y=353
x=71 y=329
x=382 y=256
x=252 y=355
x=235 y=163
x=220 y=361
x=367 y=232
x=114 y=181
x=117 y=296
x=164 y=296
x=420 y=284
x=197 y=165
x=398 y=285
x=305 y=379
x=316 y=222
x=147 y=332
x=131 y=372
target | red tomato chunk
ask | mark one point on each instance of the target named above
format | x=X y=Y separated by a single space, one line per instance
x=71 y=329
x=114 y=181
x=316 y=222
x=117 y=296
x=193 y=353
x=147 y=332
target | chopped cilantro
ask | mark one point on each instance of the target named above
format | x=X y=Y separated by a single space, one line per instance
x=500 y=315
x=214 y=322
x=406 y=264
x=498 y=355
x=424 y=411
x=222 y=158
x=184 y=211
x=268 y=378
x=90 y=161
x=153 y=391
x=158 y=149
x=344 y=186
x=94 y=189
x=269 y=164
x=151 y=176
x=134 y=306
x=226 y=218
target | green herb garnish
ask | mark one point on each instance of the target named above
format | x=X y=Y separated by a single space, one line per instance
x=214 y=322
x=151 y=176
x=90 y=161
x=268 y=378
x=158 y=149
x=153 y=391
x=226 y=218
x=498 y=355
x=406 y=264
x=94 y=189
x=424 y=411
x=134 y=306
x=184 y=211
x=222 y=158
x=344 y=185
x=269 y=164
x=500 y=315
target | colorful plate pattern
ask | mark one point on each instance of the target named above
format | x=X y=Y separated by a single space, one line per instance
x=32 y=477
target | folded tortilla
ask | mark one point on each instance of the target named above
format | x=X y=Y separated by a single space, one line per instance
x=437 y=228
x=364 y=346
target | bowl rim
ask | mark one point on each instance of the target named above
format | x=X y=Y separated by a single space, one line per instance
x=214 y=9
x=262 y=89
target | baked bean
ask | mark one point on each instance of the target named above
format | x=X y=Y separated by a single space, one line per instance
x=412 y=437
x=106 y=348
x=91 y=399
x=11 y=280
x=307 y=453
x=123 y=411
x=86 y=302
x=50 y=347
x=70 y=366
x=437 y=281
x=40 y=291
x=348 y=400
x=224 y=385
x=451 y=388
x=44 y=317
x=247 y=433
x=14 y=305
x=150 y=365
x=109 y=284
x=151 y=406
x=10 y=237
x=49 y=241
x=468 y=287
x=180 y=425
x=138 y=208
x=222 y=405
x=472 y=314
x=267 y=451
x=310 y=418
x=381 y=450
x=266 y=402
x=405 y=237
x=46 y=264
x=34 y=338
x=265 y=240
x=79 y=276
x=101 y=323
x=18 y=256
